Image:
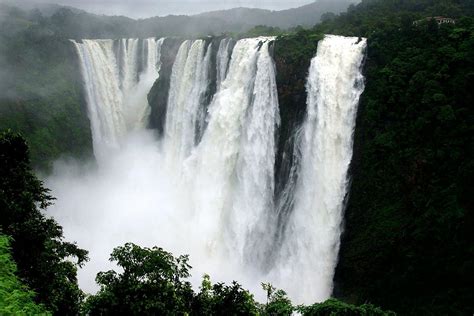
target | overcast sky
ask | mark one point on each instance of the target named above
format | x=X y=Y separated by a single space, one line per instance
x=147 y=8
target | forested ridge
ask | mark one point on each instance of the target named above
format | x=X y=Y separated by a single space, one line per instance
x=41 y=94
x=407 y=245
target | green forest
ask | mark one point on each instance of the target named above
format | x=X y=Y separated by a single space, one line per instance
x=407 y=246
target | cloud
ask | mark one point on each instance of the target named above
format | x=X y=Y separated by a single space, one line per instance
x=148 y=8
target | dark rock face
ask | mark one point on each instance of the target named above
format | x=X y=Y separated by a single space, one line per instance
x=292 y=72
x=158 y=96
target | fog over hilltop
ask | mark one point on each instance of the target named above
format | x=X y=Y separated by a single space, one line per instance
x=72 y=22
x=151 y=8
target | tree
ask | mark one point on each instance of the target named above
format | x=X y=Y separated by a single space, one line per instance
x=278 y=304
x=152 y=283
x=221 y=299
x=15 y=298
x=41 y=254
x=333 y=307
x=328 y=16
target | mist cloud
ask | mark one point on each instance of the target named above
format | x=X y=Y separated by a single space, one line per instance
x=148 y=8
x=130 y=197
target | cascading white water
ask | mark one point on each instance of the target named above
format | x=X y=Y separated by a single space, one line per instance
x=137 y=109
x=232 y=162
x=252 y=217
x=207 y=187
x=222 y=60
x=116 y=94
x=310 y=251
x=185 y=117
x=128 y=54
x=153 y=57
x=104 y=97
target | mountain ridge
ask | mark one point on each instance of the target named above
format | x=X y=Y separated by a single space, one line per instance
x=77 y=23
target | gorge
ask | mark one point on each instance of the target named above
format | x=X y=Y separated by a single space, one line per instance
x=207 y=184
x=333 y=166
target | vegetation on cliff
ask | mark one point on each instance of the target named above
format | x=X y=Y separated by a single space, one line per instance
x=41 y=92
x=43 y=258
x=154 y=282
x=15 y=298
x=408 y=240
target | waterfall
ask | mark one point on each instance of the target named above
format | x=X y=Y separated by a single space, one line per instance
x=103 y=93
x=186 y=113
x=230 y=145
x=153 y=57
x=137 y=109
x=128 y=52
x=207 y=186
x=222 y=60
x=115 y=91
x=252 y=217
x=312 y=238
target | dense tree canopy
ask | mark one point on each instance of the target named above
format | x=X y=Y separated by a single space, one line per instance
x=154 y=282
x=42 y=257
x=15 y=298
x=40 y=89
x=333 y=307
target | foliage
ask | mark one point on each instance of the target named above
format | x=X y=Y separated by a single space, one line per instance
x=372 y=16
x=15 y=298
x=259 y=30
x=278 y=304
x=40 y=89
x=42 y=257
x=152 y=282
x=221 y=299
x=333 y=307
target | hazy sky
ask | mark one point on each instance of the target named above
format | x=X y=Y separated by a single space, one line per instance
x=147 y=8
